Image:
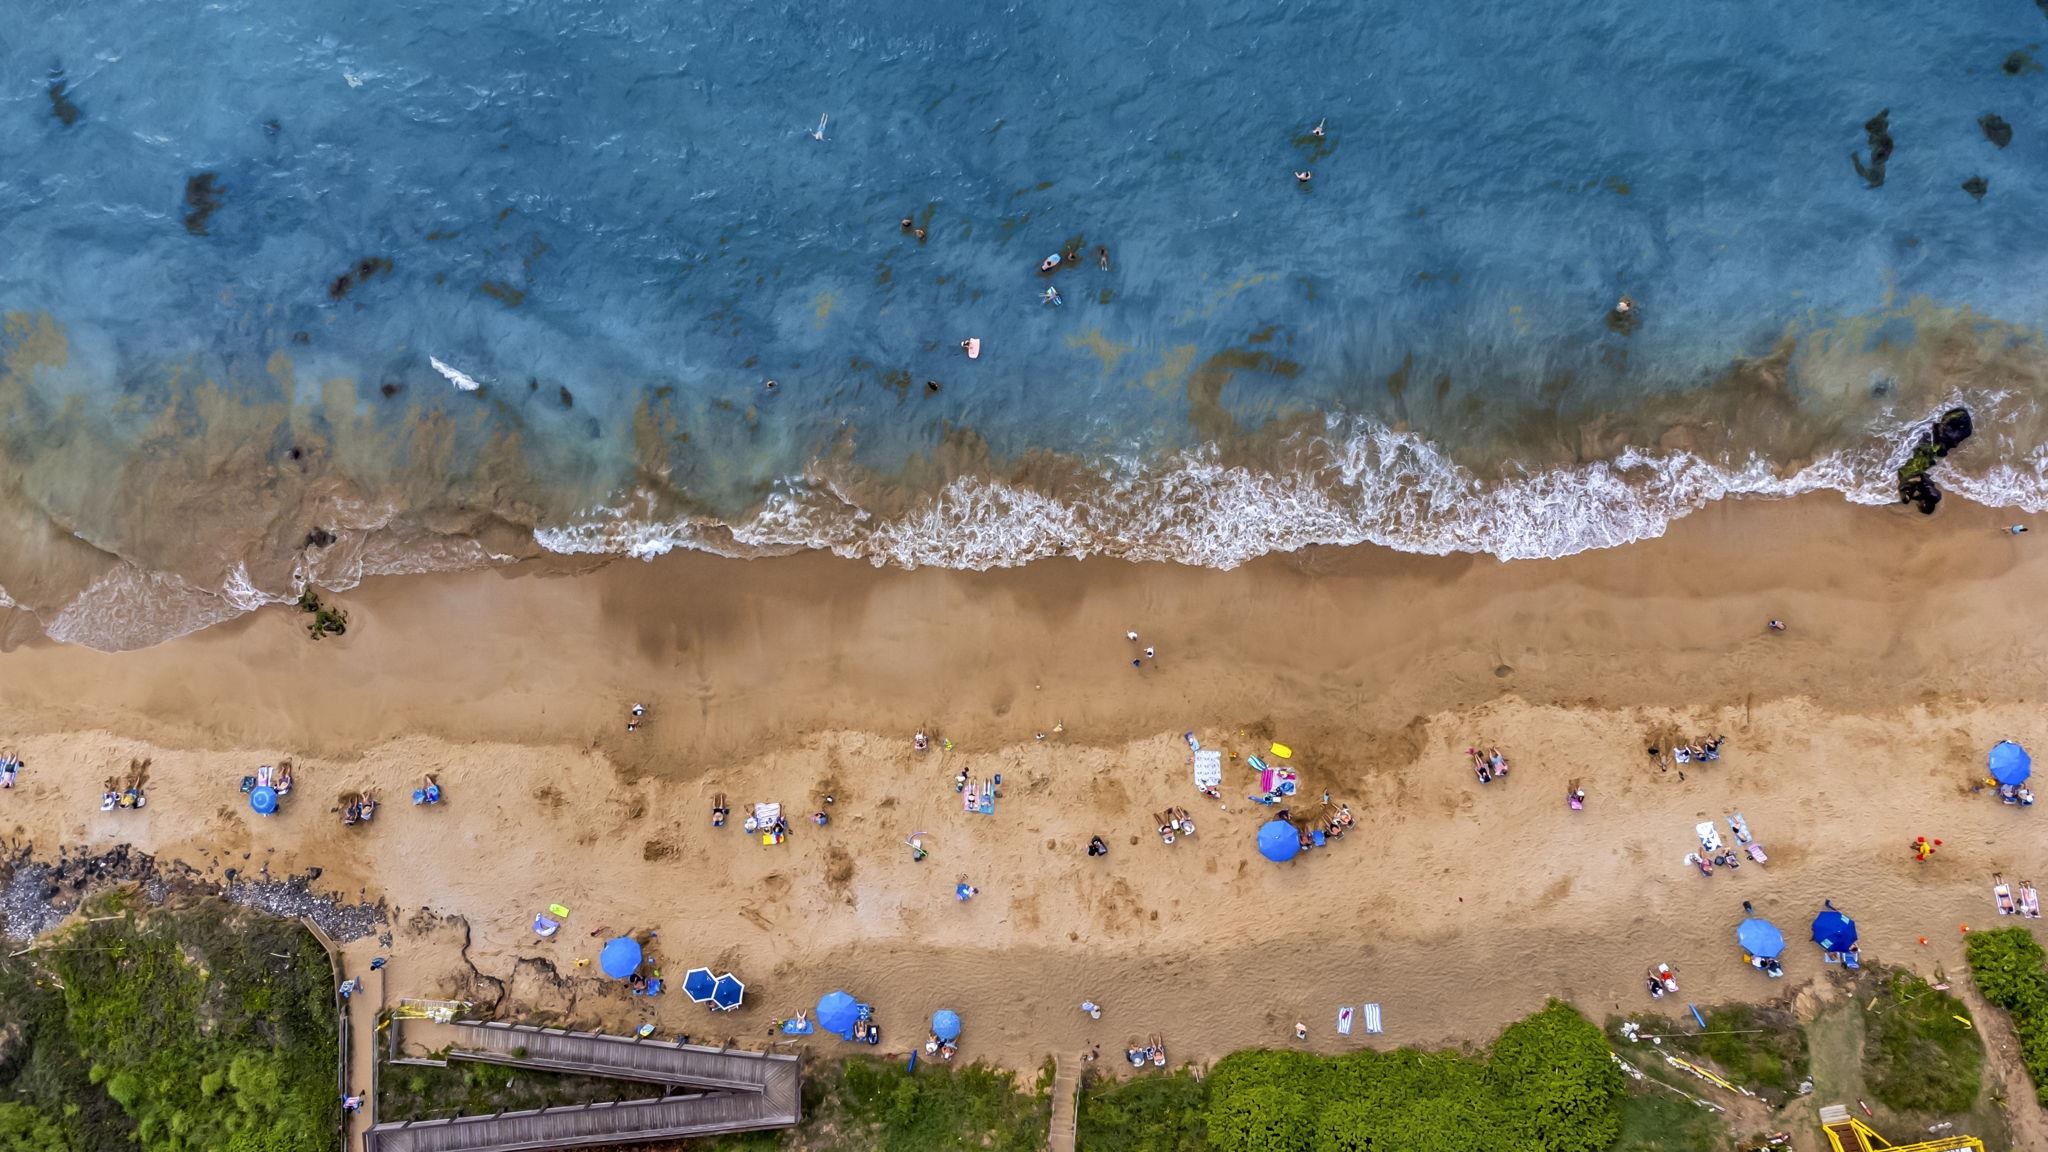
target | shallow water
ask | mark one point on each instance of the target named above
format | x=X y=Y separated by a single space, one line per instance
x=613 y=218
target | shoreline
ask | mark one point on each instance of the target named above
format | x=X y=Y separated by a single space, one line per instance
x=1908 y=655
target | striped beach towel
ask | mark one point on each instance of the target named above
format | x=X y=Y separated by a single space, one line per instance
x=1372 y=1020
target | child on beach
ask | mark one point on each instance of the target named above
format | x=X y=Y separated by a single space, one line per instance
x=9 y=769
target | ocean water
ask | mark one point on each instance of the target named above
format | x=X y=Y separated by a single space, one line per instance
x=298 y=294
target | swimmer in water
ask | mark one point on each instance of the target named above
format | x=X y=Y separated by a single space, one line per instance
x=919 y=233
x=1050 y=296
x=771 y=385
x=1317 y=131
x=818 y=133
x=1049 y=263
x=1102 y=259
x=908 y=224
x=1304 y=177
x=931 y=385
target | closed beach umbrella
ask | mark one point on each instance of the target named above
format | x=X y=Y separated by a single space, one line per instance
x=1278 y=841
x=1760 y=937
x=946 y=1025
x=698 y=984
x=1833 y=931
x=263 y=800
x=2010 y=763
x=620 y=958
x=837 y=1012
x=728 y=992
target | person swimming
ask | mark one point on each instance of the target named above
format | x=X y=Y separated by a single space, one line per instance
x=1303 y=177
x=1050 y=296
x=1049 y=263
x=1317 y=131
x=1102 y=258
x=818 y=133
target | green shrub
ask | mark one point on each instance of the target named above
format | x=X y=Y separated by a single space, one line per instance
x=2007 y=965
x=1145 y=1114
x=1918 y=1056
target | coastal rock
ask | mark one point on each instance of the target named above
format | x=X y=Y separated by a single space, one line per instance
x=1916 y=486
x=1976 y=186
x=203 y=197
x=1995 y=128
x=61 y=106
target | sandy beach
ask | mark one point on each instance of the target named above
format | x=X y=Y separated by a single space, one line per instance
x=1911 y=648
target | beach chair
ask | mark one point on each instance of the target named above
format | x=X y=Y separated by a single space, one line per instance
x=1710 y=836
x=2002 y=893
x=2030 y=901
x=1372 y=1020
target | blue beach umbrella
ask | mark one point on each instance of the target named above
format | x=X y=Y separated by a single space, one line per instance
x=837 y=1012
x=727 y=993
x=263 y=800
x=1278 y=841
x=620 y=958
x=1833 y=931
x=698 y=984
x=1760 y=937
x=946 y=1025
x=2010 y=763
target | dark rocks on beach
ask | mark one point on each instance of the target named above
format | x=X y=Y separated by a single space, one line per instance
x=1877 y=131
x=1916 y=485
x=1976 y=186
x=320 y=538
x=61 y=106
x=203 y=197
x=1995 y=128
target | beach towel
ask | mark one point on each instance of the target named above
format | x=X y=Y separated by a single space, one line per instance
x=1739 y=826
x=1344 y=1021
x=970 y=798
x=1257 y=764
x=1209 y=768
x=987 y=807
x=797 y=1028
x=1372 y=1020
x=1849 y=960
x=1756 y=853
x=2003 y=894
x=1710 y=836
x=2030 y=901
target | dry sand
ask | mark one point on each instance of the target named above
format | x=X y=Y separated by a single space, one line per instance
x=1913 y=646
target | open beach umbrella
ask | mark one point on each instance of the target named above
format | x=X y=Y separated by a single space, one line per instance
x=946 y=1025
x=2010 y=763
x=1833 y=931
x=728 y=992
x=1760 y=937
x=263 y=800
x=620 y=958
x=837 y=1012
x=698 y=984
x=1278 y=841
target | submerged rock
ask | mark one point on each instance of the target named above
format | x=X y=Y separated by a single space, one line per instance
x=1976 y=186
x=1877 y=131
x=61 y=106
x=1916 y=486
x=203 y=197
x=1995 y=128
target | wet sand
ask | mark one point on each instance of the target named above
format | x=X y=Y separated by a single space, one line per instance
x=1912 y=648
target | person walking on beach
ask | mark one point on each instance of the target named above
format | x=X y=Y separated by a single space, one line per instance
x=633 y=721
x=1093 y=1009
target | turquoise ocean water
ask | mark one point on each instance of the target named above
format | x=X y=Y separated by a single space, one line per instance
x=300 y=293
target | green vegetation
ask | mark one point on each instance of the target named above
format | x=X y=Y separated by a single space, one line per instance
x=2007 y=964
x=174 y=1031
x=1918 y=1057
x=863 y=1104
x=1146 y=1114
x=1653 y=1120
x=1762 y=1049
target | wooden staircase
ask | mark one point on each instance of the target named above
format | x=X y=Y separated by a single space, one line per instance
x=1066 y=1090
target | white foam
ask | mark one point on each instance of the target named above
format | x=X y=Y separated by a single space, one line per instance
x=463 y=381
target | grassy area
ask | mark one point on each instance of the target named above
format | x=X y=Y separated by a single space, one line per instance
x=170 y=1031
x=1762 y=1049
x=418 y=1092
x=1144 y=1114
x=1918 y=1055
x=1653 y=1120
x=862 y=1104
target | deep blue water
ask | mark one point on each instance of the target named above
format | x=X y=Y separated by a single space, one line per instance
x=615 y=217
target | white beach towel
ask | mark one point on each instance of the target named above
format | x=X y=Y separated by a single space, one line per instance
x=1710 y=836
x=766 y=815
x=1372 y=1020
x=1209 y=768
x=1344 y=1021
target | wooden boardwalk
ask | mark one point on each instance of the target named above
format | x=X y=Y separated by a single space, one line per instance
x=1066 y=1091
x=733 y=1090
x=588 y=1125
x=598 y=1054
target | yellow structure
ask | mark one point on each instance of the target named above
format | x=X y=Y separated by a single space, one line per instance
x=1848 y=1134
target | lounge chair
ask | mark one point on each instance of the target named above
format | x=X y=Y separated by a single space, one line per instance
x=2002 y=892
